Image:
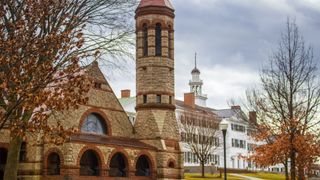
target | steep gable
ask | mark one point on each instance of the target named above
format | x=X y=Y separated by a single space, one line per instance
x=102 y=98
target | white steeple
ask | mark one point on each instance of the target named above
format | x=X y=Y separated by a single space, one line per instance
x=196 y=85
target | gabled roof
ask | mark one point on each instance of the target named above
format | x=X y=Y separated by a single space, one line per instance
x=159 y=3
x=237 y=114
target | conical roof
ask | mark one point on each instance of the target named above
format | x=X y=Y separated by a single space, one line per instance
x=195 y=69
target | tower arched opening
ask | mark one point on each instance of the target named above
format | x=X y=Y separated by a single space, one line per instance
x=158 y=39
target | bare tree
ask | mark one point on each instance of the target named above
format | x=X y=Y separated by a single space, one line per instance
x=288 y=102
x=41 y=46
x=199 y=131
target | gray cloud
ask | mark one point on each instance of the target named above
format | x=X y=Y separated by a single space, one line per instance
x=233 y=39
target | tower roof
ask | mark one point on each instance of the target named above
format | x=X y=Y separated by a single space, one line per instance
x=158 y=3
x=195 y=70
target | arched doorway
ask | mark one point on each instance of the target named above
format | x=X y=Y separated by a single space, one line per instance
x=118 y=166
x=3 y=160
x=53 y=164
x=89 y=164
x=143 y=167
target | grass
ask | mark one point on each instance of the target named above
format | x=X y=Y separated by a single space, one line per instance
x=193 y=176
x=266 y=176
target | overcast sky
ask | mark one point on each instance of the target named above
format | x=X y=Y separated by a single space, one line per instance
x=233 y=40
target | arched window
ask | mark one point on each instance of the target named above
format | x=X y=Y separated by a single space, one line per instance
x=3 y=160
x=143 y=166
x=53 y=164
x=89 y=164
x=145 y=40
x=158 y=40
x=169 y=42
x=171 y=164
x=118 y=166
x=94 y=124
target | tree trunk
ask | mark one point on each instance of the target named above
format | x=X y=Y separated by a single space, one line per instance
x=301 y=173
x=11 y=169
x=202 y=169
x=286 y=169
x=293 y=165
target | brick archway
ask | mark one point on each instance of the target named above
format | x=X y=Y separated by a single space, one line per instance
x=99 y=154
x=46 y=156
x=151 y=162
x=139 y=25
x=126 y=158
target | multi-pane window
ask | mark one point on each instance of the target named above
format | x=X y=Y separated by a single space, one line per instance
x=213 y=158
x=239 y=143
x=216 y=141
x=145 y=40
x=250 y=147
x=158 y=40
x=236 y=127
x=94 y=124
x=190 y=157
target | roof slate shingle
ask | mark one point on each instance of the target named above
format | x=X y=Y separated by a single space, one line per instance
x=161 y=3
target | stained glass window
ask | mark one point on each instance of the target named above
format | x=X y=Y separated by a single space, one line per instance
x=94 y=124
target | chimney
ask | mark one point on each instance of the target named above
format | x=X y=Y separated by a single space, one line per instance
x=237 y=107
x=125 y=93
x=189 y=99
x=252 y=117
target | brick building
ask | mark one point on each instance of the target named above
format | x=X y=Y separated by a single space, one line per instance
x=108 y=146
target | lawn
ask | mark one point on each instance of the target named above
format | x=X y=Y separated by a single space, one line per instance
x=266 y=176
x=189 y=176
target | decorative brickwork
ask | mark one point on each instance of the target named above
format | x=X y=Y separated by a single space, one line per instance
x=155 y=122
x=155 y=137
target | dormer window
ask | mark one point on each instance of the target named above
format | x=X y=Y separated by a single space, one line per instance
x=158 y=40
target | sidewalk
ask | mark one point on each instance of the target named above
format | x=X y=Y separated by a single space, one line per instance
x=246 y=177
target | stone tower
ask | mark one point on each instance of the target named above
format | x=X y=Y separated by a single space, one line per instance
x=196 y=85
x=156 y=122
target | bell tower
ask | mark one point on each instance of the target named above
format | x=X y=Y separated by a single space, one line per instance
x=156 y=122
x=196 y=85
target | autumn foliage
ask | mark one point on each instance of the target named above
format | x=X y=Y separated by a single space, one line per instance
x=278 y=148
x=287 y=106
x=39 y=71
